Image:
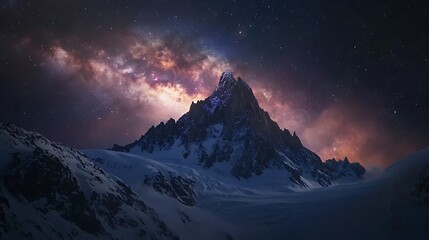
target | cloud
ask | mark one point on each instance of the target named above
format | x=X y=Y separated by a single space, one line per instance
x=346 y=130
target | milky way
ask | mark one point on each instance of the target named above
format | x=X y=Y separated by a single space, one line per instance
x=91 y=74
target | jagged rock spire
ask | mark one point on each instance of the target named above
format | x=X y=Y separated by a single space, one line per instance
x=229 y=125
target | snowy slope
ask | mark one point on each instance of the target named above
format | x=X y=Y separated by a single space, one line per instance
x=393 y=206
x=49 y=191
x=216 y=181
x=189 y=221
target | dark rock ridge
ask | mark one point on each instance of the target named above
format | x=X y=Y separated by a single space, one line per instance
x=230 y=125
x=343 y=168
x=50 y=191
x=174 y=186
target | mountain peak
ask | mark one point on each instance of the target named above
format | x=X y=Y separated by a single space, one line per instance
x=228 y=84
x=231 y=95
x=226 y=80
x=229 y=125
x=226 y=77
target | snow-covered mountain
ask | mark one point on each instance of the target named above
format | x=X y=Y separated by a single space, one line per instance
x=181 y=181
x=393 y=205
x=229 y=133
x=50 y=191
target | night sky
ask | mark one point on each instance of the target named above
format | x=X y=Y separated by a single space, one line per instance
x=350 y=77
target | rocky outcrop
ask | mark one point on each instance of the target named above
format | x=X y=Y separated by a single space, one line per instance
x=51 y=191
x=173 y=185
x=343 y=168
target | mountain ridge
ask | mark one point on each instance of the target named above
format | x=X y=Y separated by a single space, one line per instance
x=230 y=126
x=43 y=182
x=50 y=191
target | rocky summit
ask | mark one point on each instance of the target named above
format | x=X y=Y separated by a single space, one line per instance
x=230 y=129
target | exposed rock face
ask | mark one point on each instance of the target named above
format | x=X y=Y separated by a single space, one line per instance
x=230 y=126
x=160 y=179
x=44 y=184
x=173 y=185
x=343 y=168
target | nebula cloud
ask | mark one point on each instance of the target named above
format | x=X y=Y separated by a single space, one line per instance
x=92 y=75
x=156 y=77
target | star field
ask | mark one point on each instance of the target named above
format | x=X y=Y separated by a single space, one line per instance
x=350 y=77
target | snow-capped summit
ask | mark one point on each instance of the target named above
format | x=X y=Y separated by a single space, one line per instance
x=230 y=132
x=230 y=89
x=226 y=79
